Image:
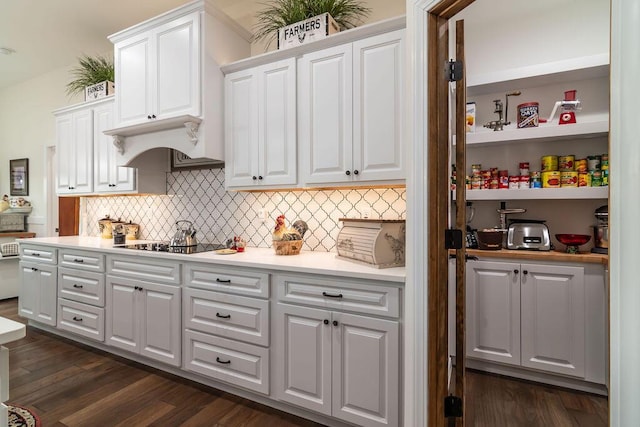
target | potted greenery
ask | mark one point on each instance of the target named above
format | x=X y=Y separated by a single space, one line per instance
x=90 y=71
x=280 y=13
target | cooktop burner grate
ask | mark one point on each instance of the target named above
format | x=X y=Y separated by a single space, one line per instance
x=164 y=247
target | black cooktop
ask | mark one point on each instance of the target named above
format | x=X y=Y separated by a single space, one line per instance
x=165 y=247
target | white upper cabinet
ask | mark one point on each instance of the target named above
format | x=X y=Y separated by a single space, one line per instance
x=260 y=126
x=170 y=88
x=74 y=151
x=351 y=111
x=158 y=72
x=108 y=176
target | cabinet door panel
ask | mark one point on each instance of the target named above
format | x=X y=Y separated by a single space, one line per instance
x=82 y=180
x=493 y=312
x=304 y=357
x=64 y=153
x=29 y=284
x=553 y=319
x=177 y=78
x=122 y=328
x=241 y=128
x=365 y=370
x=277 y=123
x=108 y=177
x=326 y=114
x=377 y=107
x=47 y=294
x=160 y=328
x=132 y=62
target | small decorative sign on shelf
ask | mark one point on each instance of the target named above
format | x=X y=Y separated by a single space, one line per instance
x=314 y=28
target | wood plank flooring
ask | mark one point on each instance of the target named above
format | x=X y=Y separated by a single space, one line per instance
x=71 y=385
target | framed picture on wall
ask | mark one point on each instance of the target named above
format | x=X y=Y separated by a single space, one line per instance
x=19 y=177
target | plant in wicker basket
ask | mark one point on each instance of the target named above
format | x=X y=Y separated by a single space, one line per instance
x=280 y=13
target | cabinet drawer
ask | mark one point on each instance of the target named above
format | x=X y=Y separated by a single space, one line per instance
x=39 y=254
x=82 y=260
x=81 y=286
x=369 y=297
x=152 y=270
x=229 y=316
x=81 y=319
x=239 y=282
x=240 y=364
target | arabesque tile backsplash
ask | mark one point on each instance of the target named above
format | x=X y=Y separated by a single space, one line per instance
x=199 y=196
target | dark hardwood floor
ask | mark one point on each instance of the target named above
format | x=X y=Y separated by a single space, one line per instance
x=68 y=384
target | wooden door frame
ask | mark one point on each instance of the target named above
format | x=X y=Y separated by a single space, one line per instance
x=425 y=367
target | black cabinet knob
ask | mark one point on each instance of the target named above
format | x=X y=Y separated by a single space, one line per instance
x=525 y=272
x=254 y=178
x=259 y=176
x=325 y=321
x=355 y=172
x=149 y=117
x=153 y=116
x=335 y=323
x=348 y=173
x=516 y=271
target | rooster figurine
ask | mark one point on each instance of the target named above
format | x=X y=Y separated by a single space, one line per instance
x=282 y=232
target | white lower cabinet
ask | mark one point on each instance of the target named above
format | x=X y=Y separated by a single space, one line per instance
x=226 y=321
x=144 y=317
x=534 y=316
x=339 y=364
x=38 y=299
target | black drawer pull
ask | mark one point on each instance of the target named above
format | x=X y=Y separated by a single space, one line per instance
x=35 y=254
x=75 y=285
x=226 y=316
x=78 y=260
x=224 y=362
x=223 y=281
x=331 y=295
x=77 y=319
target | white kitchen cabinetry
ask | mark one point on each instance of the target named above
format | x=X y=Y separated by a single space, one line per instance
x=158 y=72
x=81 y=293
x=351 y=111
x=333 y=362
x=226 y=321
x=74 y=151
x=544 y=84
x=169 y=83
x=143 y=316
x=87 y=157
x=260 y=126
x=108 y=176
x=38 y=278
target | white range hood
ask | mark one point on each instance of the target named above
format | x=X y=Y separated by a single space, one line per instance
x=169 y=86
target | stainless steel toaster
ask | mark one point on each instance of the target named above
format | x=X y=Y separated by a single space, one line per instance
x=531 y=235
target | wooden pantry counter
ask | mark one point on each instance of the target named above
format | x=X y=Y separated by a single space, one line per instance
x=560 y=256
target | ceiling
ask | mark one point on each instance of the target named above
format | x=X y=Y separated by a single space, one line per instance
x=51 y=34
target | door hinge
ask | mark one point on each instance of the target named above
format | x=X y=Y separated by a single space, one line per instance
x=453 y=238
x=452 y=407
x=454 y=70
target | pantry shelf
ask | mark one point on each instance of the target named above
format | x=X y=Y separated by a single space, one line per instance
x=538 y=193
x=544 y=132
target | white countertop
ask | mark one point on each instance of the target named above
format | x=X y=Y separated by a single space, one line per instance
x=314 y=262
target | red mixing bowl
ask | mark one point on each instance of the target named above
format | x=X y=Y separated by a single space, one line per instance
x=573 y=239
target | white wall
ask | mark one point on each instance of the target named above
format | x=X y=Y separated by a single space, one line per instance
x=27 y=127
